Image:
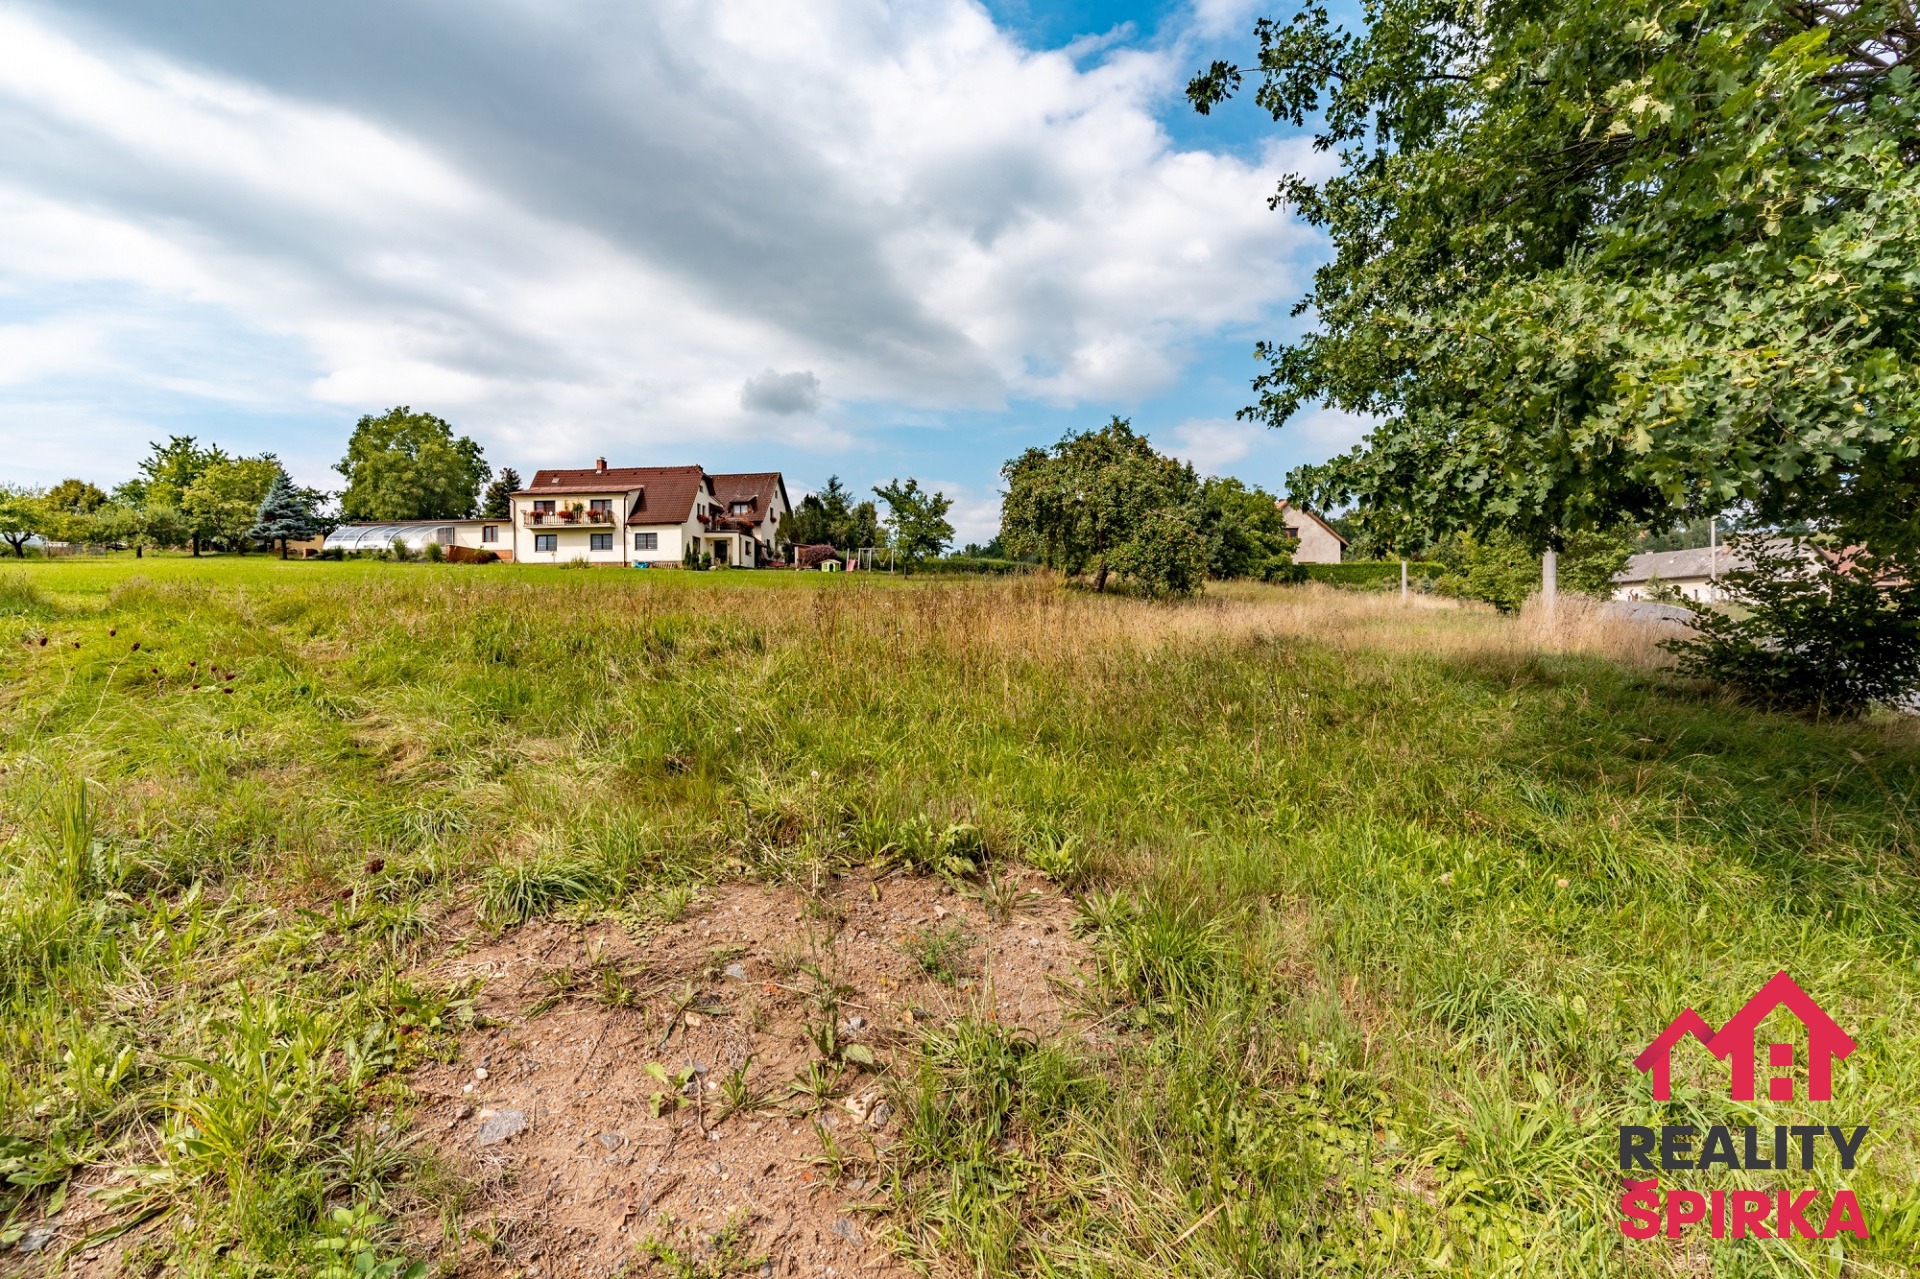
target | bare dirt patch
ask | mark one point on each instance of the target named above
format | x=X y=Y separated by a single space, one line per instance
x=802 y=1002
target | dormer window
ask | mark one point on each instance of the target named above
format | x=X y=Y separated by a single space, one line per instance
x=741 y=508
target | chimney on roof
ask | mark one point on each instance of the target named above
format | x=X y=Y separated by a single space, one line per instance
x=600 y=465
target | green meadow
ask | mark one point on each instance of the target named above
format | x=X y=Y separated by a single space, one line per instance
x=1381 y=901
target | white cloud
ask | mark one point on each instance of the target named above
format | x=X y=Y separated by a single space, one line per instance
x=1331 y=430
x=975 y=517
x=898 y=199
x=1227 y=17
x=1212 y=444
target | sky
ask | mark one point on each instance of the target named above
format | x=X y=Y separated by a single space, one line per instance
x=871 y=238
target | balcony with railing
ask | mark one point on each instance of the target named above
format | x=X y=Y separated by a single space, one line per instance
x=565 y=519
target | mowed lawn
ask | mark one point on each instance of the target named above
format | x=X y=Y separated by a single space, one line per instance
x=1383 y=900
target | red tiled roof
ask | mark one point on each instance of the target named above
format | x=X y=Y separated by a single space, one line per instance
x=757 y=487
x=666 y=492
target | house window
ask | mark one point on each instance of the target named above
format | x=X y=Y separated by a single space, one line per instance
x=491 y=533
x=600 y=504
x=600 y=541
x=646 y=541
x=741 y=508
x=546 y=542
x=544 y=505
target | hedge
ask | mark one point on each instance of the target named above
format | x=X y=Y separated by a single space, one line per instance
x=975 y=564
x=1372 y=575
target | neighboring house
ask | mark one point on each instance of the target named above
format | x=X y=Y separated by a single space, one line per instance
x=1695 y=573
x=753 y=504
x=651 y=515
x=613 y=515
x=471 y=536
x=609 y=515
x=1315 y=540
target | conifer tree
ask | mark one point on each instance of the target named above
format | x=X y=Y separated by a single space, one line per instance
x=286 y=513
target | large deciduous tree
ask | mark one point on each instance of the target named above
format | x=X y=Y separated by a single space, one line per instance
x=404 y=465
x=917 y=527
x=71 y=511
x=221 y=505
x=75 y=495
x=1080 y=505
x=1244 y=532
x=1604 y=263
x=23 y=516
x=160 y=491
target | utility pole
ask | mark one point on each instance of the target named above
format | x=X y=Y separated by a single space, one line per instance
x=1550 y=578
x=1403 y=581
x=1713 y=557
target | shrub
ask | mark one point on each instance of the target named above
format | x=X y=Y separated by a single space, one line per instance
x=1828 y=636
x=1371 y=575
x=436 y=553
x=1504 y=571
x=1281 y=569
x=976 y=564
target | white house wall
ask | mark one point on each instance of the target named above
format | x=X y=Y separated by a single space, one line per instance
x=1316 y=545
x=572 y=542
x=1698 y=589
x=672 y=548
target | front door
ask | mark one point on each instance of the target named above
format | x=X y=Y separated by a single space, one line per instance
x=720 y=545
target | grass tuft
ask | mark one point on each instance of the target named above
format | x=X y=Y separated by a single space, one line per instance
x=514 y=892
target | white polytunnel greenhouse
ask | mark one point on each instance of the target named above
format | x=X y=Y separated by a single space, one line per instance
x=352 y=538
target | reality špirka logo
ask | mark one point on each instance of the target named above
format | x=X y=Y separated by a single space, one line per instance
x=1744 y=1214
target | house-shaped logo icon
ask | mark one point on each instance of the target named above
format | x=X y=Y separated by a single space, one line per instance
x=1736 y=1044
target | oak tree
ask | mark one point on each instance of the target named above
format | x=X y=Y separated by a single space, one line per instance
x=1602 y=264
x=404 y=465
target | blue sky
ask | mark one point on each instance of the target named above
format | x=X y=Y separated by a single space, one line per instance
x=868 y=238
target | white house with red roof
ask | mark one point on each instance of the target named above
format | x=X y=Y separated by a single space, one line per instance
x=753 y=503
x=647 y=515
